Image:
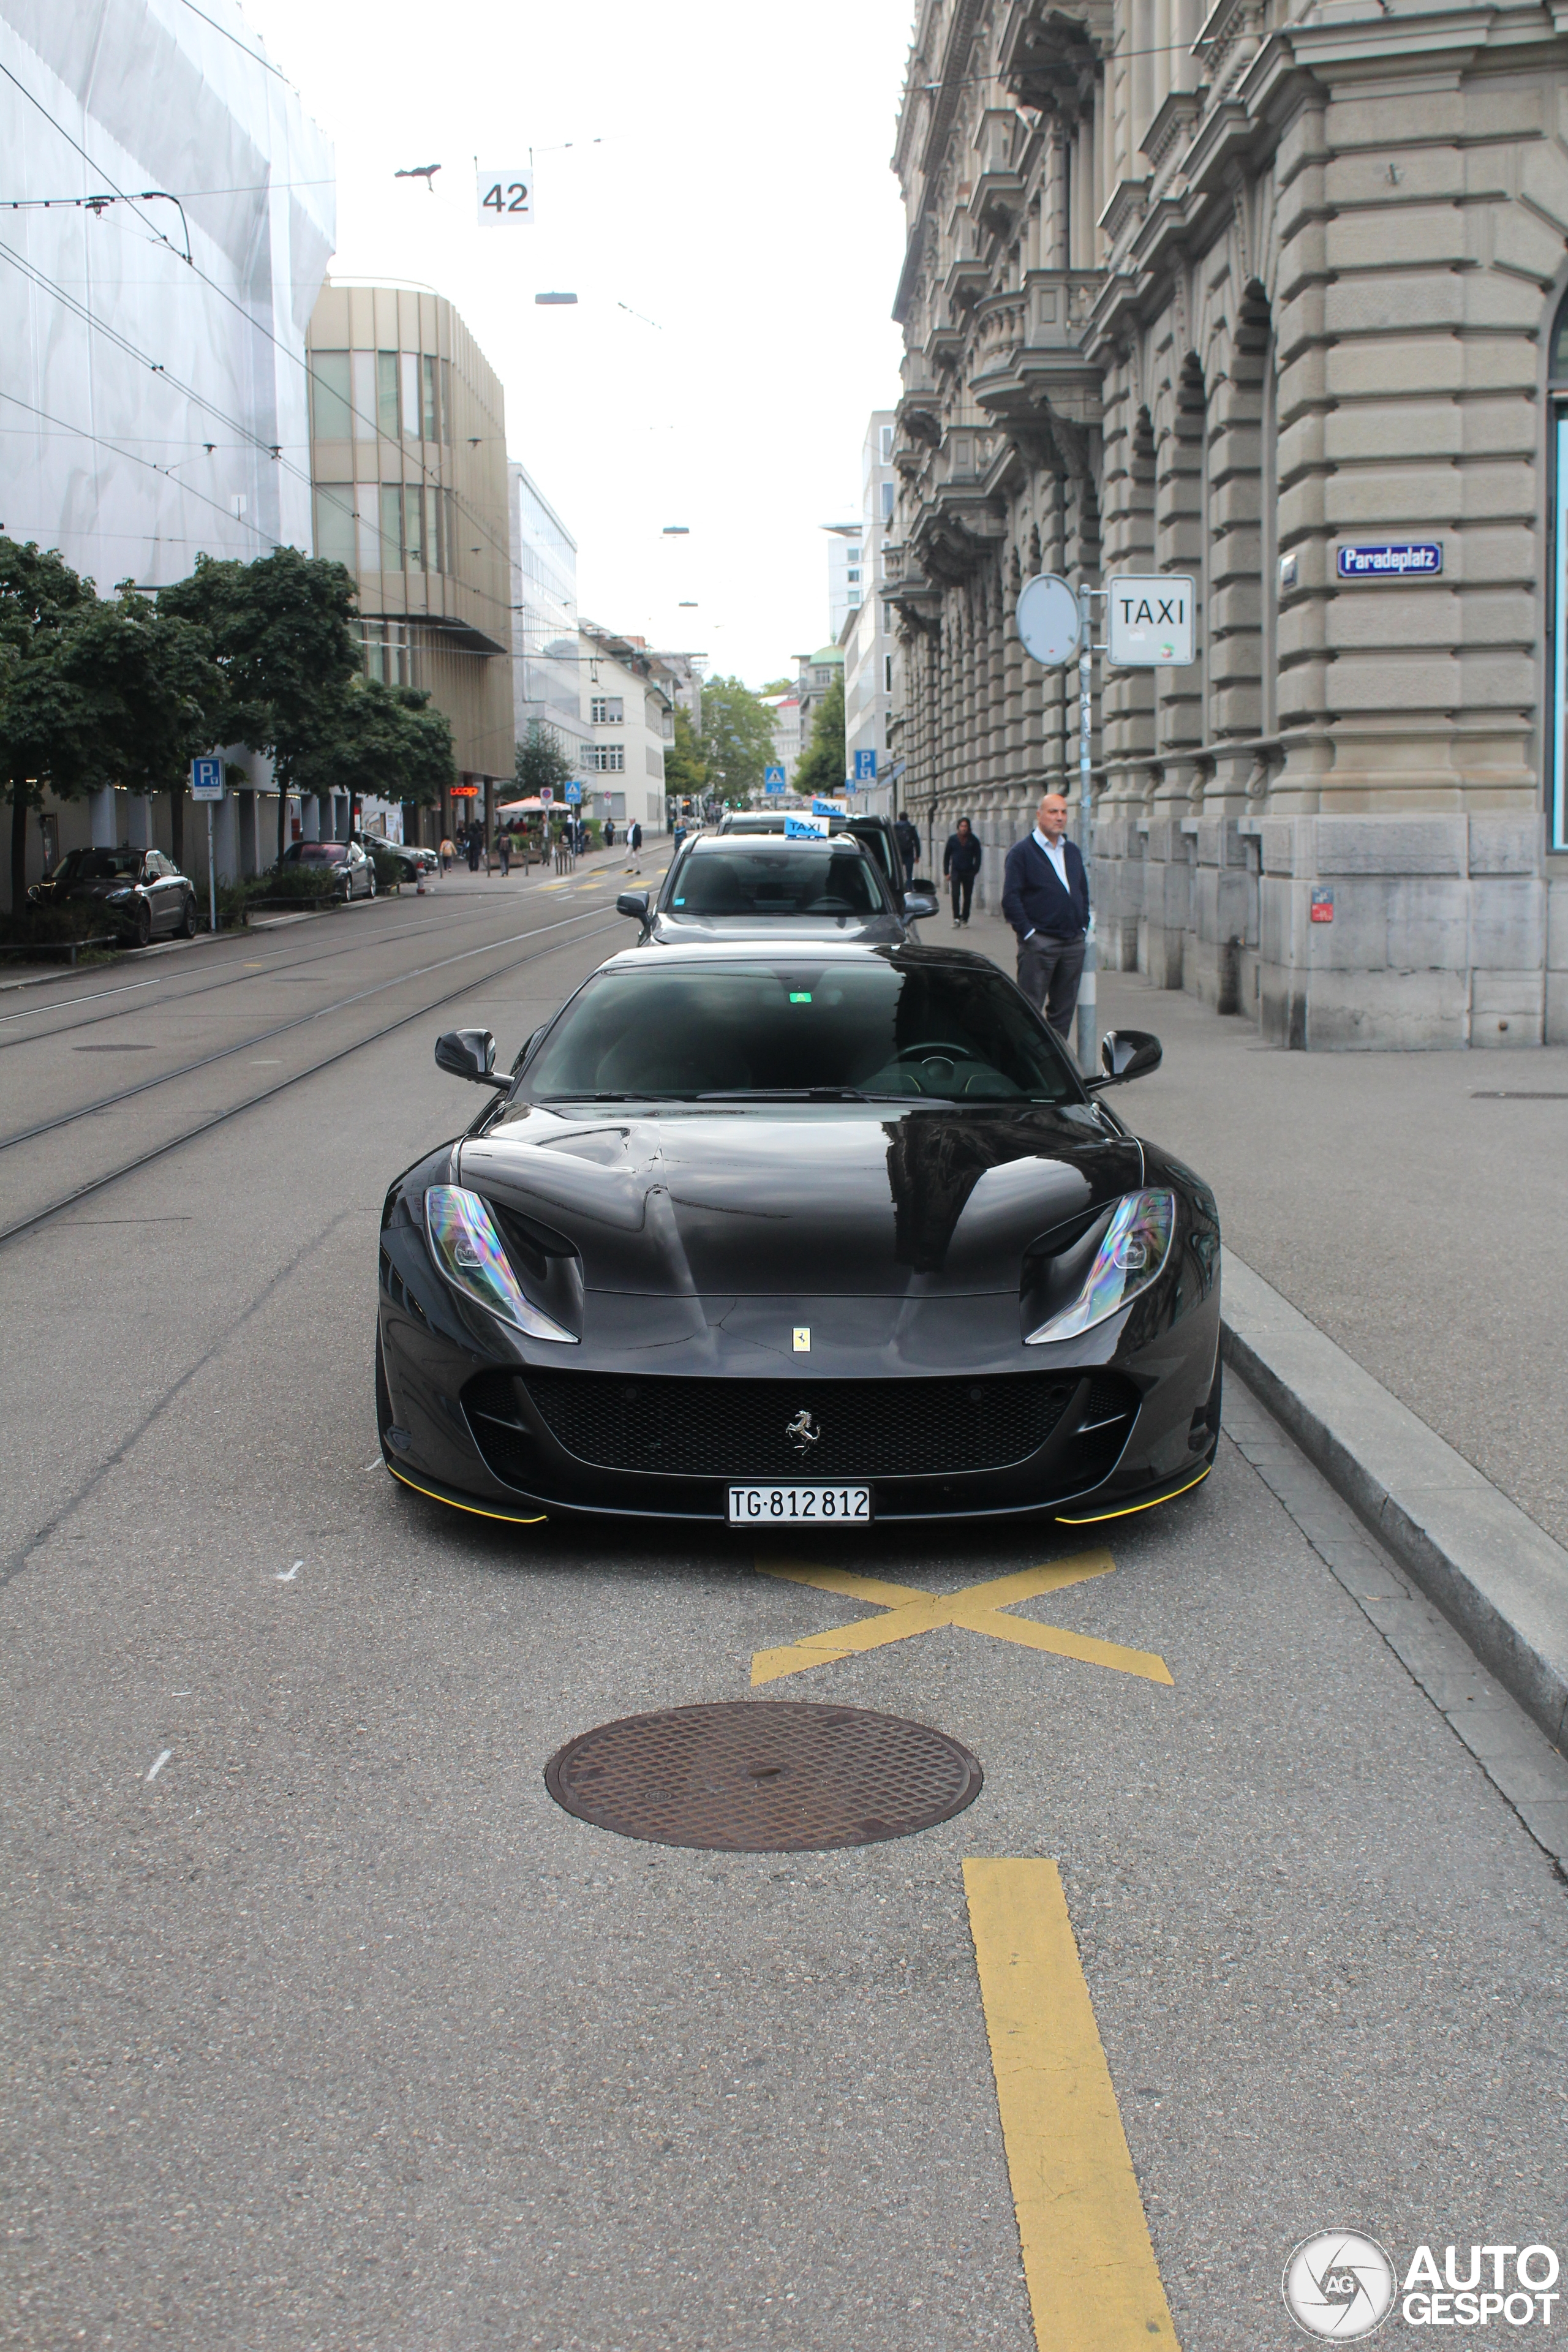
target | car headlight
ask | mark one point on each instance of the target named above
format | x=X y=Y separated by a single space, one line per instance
x=1136 y=1245
x=467 y=1249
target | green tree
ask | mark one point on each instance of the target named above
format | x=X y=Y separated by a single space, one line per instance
x=542 y=762
x=283 y=631
x=821 y=768
x=737 y=739
x=684 y=769
x=384 y=739
x=156 y=695
x=778 y=686
x=47 y=738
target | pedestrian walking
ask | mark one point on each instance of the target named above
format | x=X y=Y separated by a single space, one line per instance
x=474 y=845
x=503 y=850
x=609 y=833
x=908 y=843
x=1045 y=896
x=448 y=851
x=634 y=843
x=961 y=864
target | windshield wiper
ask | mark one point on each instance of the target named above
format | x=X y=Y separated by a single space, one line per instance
x=788 y=1094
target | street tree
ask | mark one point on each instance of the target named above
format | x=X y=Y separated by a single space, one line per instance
x=821 y=768
x=737 y=739
x=382 y=740
x=46 y=738
x=157 y=696
x=284 y=633
x=684 y=769
x=543 y=762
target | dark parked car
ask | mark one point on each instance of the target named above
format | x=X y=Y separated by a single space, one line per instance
x=738 y=887
x=873 y=832
x=354 y=874
x=141 y=895
x=768 y=1234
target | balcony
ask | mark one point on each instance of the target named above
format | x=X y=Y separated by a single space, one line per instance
x=1049 y=58
x=966 y=282
x=1028 y=349
x=958 y=521
x=995 y=200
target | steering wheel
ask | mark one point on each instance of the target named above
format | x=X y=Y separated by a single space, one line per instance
x=935 y=1049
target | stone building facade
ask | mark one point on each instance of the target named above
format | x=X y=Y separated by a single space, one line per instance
x=1233 y=297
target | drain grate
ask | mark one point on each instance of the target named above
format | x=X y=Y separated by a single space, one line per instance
x=763 y=1776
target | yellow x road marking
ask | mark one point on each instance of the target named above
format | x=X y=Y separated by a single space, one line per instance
x=978 y=1607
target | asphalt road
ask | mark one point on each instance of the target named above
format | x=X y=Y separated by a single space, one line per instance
x=333 y=2029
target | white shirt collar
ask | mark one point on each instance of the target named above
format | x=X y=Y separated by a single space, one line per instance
x=1055 y=850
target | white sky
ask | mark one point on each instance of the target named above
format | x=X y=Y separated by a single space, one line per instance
x=739 y=197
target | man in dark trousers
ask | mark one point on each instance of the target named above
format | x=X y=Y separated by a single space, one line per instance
x=908 y=843
x=1045 y=896
x=961 y=864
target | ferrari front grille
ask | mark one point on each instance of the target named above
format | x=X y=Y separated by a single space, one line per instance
x=800 y=1428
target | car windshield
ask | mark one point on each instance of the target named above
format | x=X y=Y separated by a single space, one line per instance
x=797 y=880
x=321 y=852
x=98 y=866
x=892 y=1027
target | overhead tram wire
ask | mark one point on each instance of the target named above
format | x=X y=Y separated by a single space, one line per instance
x=393 y=441
x=80 y=433
x=29 y=1224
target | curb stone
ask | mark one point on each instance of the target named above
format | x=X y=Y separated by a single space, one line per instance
x=1500 y=1579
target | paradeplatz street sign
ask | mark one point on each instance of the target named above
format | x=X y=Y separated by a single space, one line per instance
x=1150 y=620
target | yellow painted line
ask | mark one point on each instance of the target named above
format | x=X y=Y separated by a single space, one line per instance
x=976 y=1608
x=508 y=1518
x=1092 y=1518
x=1094 y=2284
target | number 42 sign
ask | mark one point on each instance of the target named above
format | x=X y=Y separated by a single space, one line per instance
x=506 y=197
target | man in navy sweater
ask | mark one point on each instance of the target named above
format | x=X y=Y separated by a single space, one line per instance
x=1045 y=896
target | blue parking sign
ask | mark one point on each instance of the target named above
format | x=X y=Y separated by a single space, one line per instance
x=865 y=767
x=207 y=779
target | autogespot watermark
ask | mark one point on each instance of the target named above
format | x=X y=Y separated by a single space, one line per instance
x=1342 y=2285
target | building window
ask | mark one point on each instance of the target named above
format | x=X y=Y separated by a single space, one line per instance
x=655 y=761
x=821 y=676
x=408 y=384
x=370 y=528
x=335 y=522
x=886 y=448
x=447 y=402
x=607 y=759
x=386 y=395
x=890 y=493
x=363 y=373
x=413 y=527
x=391 y=525
x=330 y=393
x=607 y=710
x=428 y=398
x=887 y=673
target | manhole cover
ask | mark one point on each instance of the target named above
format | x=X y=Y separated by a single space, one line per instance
x=763 y=1776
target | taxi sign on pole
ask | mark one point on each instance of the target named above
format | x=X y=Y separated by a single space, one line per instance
x=1148 y=621
x=1049 y=624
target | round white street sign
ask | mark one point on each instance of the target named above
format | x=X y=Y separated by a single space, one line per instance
x=1047 y=620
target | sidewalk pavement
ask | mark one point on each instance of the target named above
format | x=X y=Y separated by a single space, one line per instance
x=1408 y=1208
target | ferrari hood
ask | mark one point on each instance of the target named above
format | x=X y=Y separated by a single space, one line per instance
x=925 y=1203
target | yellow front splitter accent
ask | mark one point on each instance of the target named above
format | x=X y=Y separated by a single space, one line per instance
x=1125 y=1510
x=474 y=1510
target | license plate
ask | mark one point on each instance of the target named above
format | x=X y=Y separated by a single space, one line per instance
x=778 y=1505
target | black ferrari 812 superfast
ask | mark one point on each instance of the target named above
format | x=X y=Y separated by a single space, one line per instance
x=776 y=1236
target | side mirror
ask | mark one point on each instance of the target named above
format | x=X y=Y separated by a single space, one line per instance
x=633 y=903
x=917 y=904
x=1127 y=1053
x=469 y=1053
x=921 y=883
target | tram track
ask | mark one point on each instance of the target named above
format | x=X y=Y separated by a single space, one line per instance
x=204 y=984
x=22 y=1225
x=266 y=1036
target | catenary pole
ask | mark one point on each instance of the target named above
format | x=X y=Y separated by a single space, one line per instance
x=212 y=877
x=1086 y=1005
